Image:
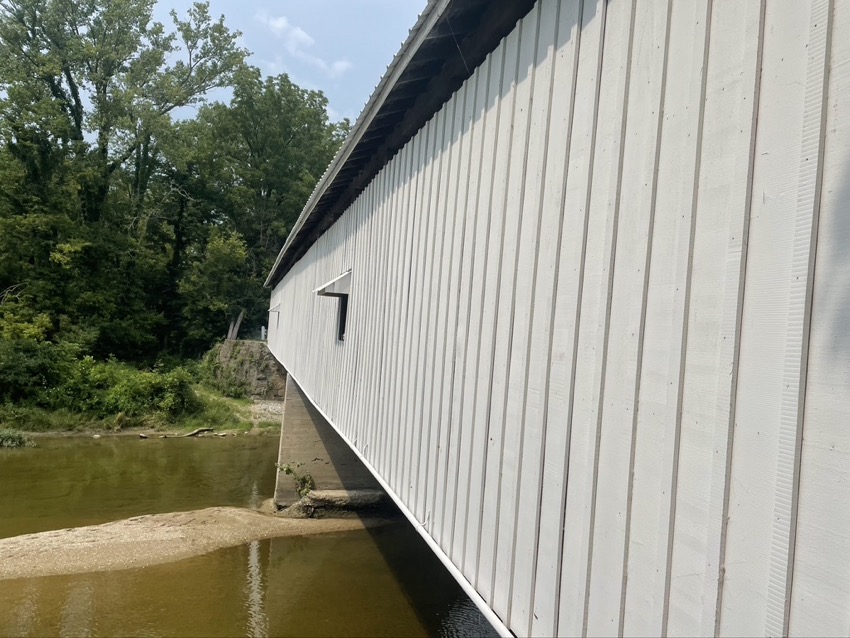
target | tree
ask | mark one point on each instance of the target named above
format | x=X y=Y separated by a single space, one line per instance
x=214 y=288
x=122 y=231
x=260 y=158
x=87 y=89
x=97 y=80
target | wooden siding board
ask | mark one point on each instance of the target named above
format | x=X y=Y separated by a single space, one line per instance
x=447 y=468
x=711 y=360
x=528 y=354
x=820 y=595
x=438 y=312
x=621 y=381
x=459 y=470
x=603 y=185
x=435 y=245
x=385 y=276
x=375 y=311
x=586 y=84
x=410 y=317
x=493 y=299
x=402 y=286
x=396 y=293
x=622 y=69
x=446 y=317
x=657 y=402
x=418 y=324
x=786 y=153
x=515 y=181
x=487 y=246
x=557 y=219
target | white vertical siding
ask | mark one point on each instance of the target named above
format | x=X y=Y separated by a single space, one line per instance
x=597 y=339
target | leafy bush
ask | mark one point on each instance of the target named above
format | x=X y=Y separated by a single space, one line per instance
x=43 y=375
x=28 y=368
x=47 y=387
x=10 y=438
x=140 y=393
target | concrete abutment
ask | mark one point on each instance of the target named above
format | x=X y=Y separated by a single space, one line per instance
x=320 y=462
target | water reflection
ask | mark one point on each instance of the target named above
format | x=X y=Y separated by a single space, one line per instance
x=258 y=623
x=332 y=585
x=77 y=616
x=70 y=482
x=380 y=582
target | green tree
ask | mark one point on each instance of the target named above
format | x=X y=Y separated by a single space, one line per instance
x=87 y=92
x=259 y=159
x=97 y=80
x=122 y=231
x=214 y=288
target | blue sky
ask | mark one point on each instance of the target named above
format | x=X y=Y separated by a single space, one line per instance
x=341 y=47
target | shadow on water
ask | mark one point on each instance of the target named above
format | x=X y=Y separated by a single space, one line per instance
x=442 y=606
x=379 y=583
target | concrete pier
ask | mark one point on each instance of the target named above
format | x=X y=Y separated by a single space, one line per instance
x=311 y=447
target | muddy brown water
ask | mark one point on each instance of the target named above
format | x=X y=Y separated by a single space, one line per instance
x=379 y=582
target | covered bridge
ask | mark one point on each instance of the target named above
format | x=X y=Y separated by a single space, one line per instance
x=577 y=290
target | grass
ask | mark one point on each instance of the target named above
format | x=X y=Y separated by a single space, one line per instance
x=216 y=411
x=10 y=438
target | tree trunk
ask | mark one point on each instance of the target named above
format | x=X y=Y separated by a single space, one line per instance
x=234 y=327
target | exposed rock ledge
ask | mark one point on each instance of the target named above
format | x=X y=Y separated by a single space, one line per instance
x=151 y=540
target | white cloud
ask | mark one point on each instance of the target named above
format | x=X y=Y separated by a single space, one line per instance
x=296 y=42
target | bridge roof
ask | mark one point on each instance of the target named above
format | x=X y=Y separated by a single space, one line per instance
x=449 y=40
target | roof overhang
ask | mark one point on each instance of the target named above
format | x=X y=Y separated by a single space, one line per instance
x=449 y=41
x=336 y=287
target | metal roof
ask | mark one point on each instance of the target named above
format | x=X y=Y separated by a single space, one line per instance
x=449 y=40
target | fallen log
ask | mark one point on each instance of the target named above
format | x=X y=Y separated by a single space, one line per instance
x=198 y=431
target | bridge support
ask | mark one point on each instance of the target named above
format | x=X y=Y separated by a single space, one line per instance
x=313 y=450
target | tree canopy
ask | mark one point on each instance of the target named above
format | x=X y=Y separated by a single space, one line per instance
x=126 y=230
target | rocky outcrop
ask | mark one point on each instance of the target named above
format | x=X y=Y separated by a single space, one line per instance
x=246 y=368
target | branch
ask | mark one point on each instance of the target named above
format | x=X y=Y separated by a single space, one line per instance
x=78 y=105
x=114 y=164
x=14 y=290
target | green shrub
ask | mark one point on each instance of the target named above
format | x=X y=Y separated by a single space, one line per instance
x=10 y=438
x=86 y=386
x=145 y=392
x=29 y=369
x=47 y=387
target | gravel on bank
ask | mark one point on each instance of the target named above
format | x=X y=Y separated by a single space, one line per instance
x=151 y=540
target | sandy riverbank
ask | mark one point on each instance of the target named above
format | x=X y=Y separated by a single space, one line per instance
x=151 y=540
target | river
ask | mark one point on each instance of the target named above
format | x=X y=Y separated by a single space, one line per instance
x=378 y=582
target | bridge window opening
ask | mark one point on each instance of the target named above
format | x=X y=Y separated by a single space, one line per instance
x=338 y=287
x=342 y=317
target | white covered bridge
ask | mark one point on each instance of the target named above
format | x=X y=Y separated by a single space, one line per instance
x=577 y=290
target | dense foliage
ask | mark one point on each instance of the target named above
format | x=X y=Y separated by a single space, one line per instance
x=132 y=236
x=126 y=231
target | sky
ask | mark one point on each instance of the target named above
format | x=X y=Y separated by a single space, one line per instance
x=341 y=47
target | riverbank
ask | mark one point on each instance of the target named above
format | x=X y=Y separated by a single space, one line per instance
x=224 y=415
x=154 y=539
x=67 y=393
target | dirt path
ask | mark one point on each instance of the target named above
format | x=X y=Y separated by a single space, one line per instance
x=151 y=540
